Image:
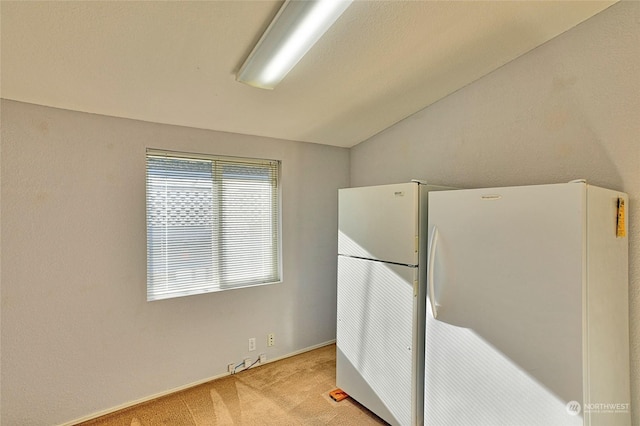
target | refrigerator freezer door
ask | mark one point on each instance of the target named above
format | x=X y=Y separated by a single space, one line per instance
x=506 y=347
x=380 y=222
x=375 y=337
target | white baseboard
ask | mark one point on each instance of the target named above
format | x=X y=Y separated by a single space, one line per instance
x=181 y=388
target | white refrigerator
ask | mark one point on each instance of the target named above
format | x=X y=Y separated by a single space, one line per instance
x=381 y=298
x=527 y=310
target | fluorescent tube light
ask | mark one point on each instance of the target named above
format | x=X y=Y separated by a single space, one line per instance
x=295 y=29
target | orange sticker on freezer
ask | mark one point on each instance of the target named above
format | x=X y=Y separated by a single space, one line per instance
x=621 y=230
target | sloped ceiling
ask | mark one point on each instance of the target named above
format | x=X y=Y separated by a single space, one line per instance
x=175 y=62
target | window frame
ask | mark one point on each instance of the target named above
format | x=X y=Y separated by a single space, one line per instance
x=276 y=182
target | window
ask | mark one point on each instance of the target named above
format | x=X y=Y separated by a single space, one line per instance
x=212 y=223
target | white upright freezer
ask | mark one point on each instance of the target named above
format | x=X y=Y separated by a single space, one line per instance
x=527 y=312
x=381 y=298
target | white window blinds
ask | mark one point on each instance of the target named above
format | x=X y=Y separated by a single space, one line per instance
x=212 y=223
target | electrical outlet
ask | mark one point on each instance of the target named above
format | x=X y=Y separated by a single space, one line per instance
x=263 y=358
x=231 y=367
x=247 y=362
x=252 y=344
x=271 y=339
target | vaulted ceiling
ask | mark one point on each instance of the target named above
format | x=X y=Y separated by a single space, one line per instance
x=175 y=62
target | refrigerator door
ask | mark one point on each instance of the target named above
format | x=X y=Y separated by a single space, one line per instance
x=375 y=337
x=504 y=320
x=379 y=222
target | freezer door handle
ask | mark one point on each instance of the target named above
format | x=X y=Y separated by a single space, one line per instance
x=431 y=262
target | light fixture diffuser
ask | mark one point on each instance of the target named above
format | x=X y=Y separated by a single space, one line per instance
x=297 y=26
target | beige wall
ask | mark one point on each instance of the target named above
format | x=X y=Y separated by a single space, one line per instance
x=78 y=335
x=569 y=109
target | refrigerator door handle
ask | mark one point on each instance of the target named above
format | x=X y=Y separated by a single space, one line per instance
x=431 y=262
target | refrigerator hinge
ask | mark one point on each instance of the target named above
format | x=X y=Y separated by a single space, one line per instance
x=415 y=288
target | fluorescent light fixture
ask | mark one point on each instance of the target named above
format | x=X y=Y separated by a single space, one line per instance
x=298 y=25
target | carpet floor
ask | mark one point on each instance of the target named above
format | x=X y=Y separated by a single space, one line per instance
x=292 y=391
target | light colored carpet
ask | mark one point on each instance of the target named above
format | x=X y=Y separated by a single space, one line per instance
x=293 y=391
